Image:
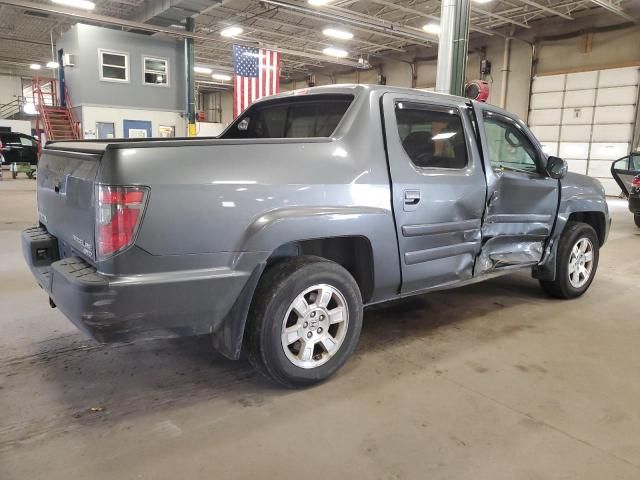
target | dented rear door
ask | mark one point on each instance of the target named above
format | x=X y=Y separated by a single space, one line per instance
x=522 y=200
x=438 y=188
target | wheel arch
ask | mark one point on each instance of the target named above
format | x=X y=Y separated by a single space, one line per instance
x=595 y=219
x=353 y=252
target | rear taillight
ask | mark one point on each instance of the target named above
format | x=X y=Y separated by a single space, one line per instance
x=118 y=215
x=636 y=182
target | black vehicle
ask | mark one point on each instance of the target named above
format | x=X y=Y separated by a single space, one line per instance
x=626 y=173
x=18 y=147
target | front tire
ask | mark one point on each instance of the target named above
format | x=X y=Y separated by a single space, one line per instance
x=304 y=321
x=576 y=263
x=636 y=218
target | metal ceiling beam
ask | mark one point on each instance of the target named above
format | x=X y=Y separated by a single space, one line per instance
x=24 y=40
x=614 y=8
x=80 y=16
x=317 y=41
x=311 y=30
x=427 y=15
x=547 y=9
x=375 y=25
x=498 y=16
x=243 y=16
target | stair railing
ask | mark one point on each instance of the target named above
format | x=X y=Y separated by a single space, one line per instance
x=75 y=126
x=39 y=103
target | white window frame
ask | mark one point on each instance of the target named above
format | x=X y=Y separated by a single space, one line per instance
x=102 y=51
x=144 y=70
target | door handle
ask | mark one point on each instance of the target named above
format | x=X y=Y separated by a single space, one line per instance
x=411 y=200
x=411 y=197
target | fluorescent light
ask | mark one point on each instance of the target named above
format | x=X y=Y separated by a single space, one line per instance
x=319 y=3
x=205 y=70
x=35 y=66
x=175 y=25
x=482 y=1
x=335 y=52
x=231 y=31
x=53 y=64
x=337 y=33
x=223 y=77
x=432 y=28
x=84 y=4
x=443 y=135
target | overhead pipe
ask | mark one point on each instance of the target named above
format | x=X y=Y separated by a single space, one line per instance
x=189 y=63
x=506 y=68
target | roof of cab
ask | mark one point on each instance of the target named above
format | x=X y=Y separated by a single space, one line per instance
x=353 y=88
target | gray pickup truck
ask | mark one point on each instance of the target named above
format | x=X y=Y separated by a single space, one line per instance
x=311 y=205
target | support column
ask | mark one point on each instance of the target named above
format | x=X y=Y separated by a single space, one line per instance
x=453 y=46
x=189 y=64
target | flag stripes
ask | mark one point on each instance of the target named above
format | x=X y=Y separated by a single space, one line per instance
x=257 y=75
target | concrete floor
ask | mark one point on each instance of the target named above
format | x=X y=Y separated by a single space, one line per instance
x=493 y=381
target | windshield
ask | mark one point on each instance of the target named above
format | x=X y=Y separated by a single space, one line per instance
x=292 y=117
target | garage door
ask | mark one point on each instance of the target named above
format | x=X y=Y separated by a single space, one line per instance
x=587 y=118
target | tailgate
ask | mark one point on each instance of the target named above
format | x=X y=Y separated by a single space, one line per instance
x=66 y=181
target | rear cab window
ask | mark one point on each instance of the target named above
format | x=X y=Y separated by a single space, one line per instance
x=432 y=136
x=310 y=116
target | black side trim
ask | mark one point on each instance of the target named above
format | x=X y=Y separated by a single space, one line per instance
x=227 y=339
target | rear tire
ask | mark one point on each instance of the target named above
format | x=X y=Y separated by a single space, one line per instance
x=636 y=219
x=576 y=263
x=304 y=322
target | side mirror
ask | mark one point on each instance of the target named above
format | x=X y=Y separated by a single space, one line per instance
x=556 y=167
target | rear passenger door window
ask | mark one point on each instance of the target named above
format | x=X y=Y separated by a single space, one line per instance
x=431 y=137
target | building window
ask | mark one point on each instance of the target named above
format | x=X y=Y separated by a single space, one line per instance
x=114 y=66
x=156 y=71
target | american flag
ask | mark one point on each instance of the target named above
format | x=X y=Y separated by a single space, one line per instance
x=257 y=75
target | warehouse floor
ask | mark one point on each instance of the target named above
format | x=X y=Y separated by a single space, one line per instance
x=493 y=381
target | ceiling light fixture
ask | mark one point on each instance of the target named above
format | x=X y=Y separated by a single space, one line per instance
x=231 y=31
x=482 y=1
x=432 y=28
x=53 y=64
x=319 y=3
x=335 y=52
x=205 y=70
x=223 y=77
x=35 y=66
x=84 y=4
x=337 y=33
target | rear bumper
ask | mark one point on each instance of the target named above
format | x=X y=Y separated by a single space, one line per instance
x=124 y=308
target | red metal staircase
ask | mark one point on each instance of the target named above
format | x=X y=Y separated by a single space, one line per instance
x=56 y=119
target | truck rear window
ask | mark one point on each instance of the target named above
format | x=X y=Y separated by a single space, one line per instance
x=294 y=117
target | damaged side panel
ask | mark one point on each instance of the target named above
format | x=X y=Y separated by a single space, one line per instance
x=508 y=251
x=522 y=200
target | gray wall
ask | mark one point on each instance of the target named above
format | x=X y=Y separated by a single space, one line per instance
x=83 y=80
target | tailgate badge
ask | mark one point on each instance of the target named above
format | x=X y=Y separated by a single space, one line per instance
x=87 y=248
